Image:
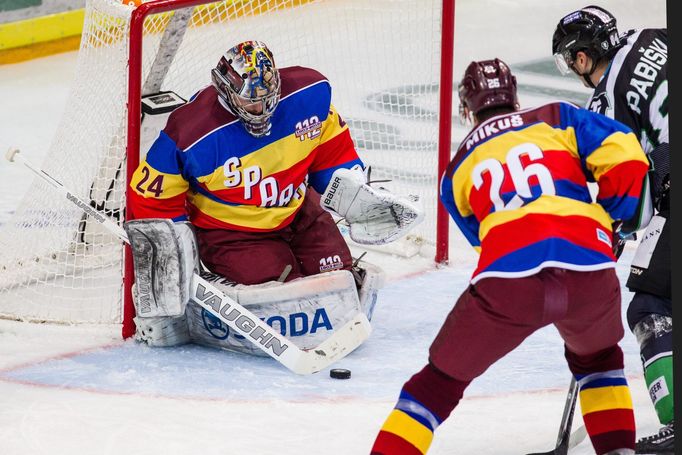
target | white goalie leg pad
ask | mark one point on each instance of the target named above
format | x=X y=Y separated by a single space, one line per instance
x=371 y=279
x=162 y=331
x=165 y=256
x=375 y=216
x=305 y=310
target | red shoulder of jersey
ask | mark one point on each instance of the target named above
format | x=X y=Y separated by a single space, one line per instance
x=295 y=78
x=204 y=113
x=194 y=120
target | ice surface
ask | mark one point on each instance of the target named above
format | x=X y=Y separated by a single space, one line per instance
x=81 y=390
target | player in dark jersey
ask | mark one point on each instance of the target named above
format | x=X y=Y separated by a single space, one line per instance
x=518 y=189
x=628 y=73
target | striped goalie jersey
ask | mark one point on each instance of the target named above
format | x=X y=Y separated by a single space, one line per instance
x=518 y=189
x=207 y=168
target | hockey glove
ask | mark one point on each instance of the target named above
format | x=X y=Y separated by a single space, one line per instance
x=375 y=216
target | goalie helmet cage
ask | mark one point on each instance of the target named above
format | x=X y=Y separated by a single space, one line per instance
x=390 y=66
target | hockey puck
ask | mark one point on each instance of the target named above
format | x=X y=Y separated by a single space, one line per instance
x=339 y=373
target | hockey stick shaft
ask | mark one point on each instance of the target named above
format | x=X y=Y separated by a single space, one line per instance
x=344 y=339
x=569 y=412
x=563 y=438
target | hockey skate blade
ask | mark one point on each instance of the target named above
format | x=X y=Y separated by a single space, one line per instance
x=344 y=341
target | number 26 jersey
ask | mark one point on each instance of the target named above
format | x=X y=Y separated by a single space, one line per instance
x=518 y=189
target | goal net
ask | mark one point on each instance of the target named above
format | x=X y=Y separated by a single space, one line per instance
x=382 y=57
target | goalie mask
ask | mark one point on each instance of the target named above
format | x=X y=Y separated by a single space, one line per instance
x=248 y=81
x=486 y=84
x=591 y=30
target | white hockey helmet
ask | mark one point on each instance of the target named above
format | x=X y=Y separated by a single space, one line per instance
x=248 y=81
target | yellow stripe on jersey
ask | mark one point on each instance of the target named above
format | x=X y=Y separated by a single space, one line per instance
x=274 y=158
x=550 y=205
x=248 y=216
x=625 y=146
x=541 y=135
x=332 y=125
x=401 y=424
x=151 y=182
x=605 y=399
x=278 y=156
x=566 y=139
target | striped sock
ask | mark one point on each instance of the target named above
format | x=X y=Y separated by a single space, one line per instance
x=408 y=430
x=606 y=405
x=426 y=400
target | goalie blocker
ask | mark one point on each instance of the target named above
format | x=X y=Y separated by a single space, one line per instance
x=305 y=310
x=165 y=256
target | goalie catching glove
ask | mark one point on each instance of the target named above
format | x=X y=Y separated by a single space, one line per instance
x=375 y=216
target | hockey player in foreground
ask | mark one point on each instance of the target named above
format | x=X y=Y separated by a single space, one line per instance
x=232 y=185
x=628 y=73
x=517 y=188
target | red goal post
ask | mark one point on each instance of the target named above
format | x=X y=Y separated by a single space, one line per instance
x=390 y=66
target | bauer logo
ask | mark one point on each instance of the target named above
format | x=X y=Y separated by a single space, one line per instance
x=332 y=190
x=658 y=390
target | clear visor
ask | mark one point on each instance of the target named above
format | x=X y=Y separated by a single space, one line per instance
x=563 y=66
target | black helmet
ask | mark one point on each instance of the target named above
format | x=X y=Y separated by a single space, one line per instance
x=592 y=30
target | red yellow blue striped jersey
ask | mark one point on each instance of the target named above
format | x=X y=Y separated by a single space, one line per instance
x=207 y=168
x=518 y=189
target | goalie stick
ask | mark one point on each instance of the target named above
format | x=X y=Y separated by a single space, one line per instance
x=344 y=339
x=563 y=439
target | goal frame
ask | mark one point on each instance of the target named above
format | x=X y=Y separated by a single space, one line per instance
x=134 y=114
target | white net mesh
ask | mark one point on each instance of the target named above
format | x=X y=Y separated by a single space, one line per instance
x=55 y=265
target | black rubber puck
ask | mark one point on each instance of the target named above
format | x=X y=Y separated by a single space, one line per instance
x=339 y=373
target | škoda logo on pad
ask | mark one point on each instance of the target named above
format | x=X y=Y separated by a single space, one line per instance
x=246 y=325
